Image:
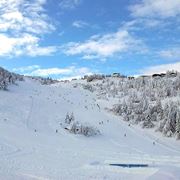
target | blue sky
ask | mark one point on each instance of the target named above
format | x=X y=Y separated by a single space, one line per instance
x=71 y=38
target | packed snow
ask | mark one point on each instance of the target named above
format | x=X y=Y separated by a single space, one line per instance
x=37 y=140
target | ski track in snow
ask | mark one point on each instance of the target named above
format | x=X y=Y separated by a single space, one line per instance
x=31 y=149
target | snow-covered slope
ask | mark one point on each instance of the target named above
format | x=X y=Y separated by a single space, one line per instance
x=33 y=144
x=149 y=101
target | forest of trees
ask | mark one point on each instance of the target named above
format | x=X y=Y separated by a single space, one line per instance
x=151 y=101
x=7 y=78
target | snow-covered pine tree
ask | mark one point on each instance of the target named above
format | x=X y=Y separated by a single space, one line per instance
x=159 y=110
x=3 y=85
x=178 y=124
x=67 y=119
x=72 y=117
x=147 y=123
x=170 y=117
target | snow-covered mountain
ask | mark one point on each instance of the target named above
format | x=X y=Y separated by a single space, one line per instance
x=68 y=130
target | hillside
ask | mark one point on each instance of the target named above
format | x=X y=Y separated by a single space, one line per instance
x=8 y=78
x=37 y=141
x=151 y=101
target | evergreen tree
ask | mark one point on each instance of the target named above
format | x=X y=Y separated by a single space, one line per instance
x=67 y=119
x=178 y=124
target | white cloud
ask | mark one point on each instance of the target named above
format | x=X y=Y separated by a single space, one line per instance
x=142 y=23
x=26 y=69
x=172 y=54
x=68 y=72
x=22 y=23
x=80 y=24
x=156 y=8
x=51 y=71
x=40 y=51
x=69 y=4
x=60 y=73
x=24 y=15
x=26 y=44
x=104 y=46
x=161 y=68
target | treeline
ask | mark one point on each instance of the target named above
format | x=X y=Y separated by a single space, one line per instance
x=43 y=80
